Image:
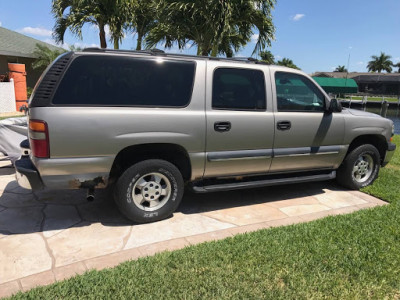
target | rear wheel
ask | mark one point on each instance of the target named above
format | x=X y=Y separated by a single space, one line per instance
x=360 y=167
x=149 y=191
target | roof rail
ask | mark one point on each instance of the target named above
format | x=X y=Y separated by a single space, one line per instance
x=248 y=59
x=154 y=51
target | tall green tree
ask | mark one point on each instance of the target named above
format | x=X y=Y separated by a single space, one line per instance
x=44 y=56
x=213 y=26
x=340 y=69
x=287 y=63
x=267 y=57
x=397 y=66
x=74 y=14
x=380 y=63
x=142 y=16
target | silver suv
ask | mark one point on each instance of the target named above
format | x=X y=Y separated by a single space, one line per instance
x=149 y=123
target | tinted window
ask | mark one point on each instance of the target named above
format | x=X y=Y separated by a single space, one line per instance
x=297 y=93
x=241 y=89
x=112 y=80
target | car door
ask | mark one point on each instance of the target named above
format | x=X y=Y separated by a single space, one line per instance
x=240 y=120
x=307 y=136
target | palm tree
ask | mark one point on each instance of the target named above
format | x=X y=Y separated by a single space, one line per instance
x=267 y=57
x=397 y=66
x=214 y=26
x=44 y=56
x=287 y=63
x=73 y=14
x=380 y=63
x=142 y=15
x=340 y=69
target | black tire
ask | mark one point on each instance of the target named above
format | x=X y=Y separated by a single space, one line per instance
x=131 y=186
x=368 y=160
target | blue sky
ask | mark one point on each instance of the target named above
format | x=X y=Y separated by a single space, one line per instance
x=318 y=35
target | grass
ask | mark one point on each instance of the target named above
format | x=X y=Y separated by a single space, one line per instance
x=389 y=99
x=7 y=117
x=387 y=186
x=353 y=256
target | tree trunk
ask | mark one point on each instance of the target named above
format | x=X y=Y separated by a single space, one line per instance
x=102 y=34
x=204 y=52
x=116 y=44
x=214 y=50
x=139 y=41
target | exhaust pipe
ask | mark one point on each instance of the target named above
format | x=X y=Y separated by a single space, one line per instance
x=90 y=195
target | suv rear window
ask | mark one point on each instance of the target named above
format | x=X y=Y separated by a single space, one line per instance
x=126 y=81
x=238 y=89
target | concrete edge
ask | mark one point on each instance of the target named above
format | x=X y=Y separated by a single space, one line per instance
x=112 y=260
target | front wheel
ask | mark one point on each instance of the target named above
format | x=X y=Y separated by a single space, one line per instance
x=360 y=167
x=149 y=191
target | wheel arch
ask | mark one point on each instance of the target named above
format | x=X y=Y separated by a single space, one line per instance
x=379 y=141
x=173 y=153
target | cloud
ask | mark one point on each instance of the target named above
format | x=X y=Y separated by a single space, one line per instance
x=350 y=47
x=85 y=45
x=1 y=23
x=278 y=57
x=254 y=37
x=106 y=29
x=298 y=17
x=396 y=59
x=360 y=63
x=40 y=31
x=67 y=46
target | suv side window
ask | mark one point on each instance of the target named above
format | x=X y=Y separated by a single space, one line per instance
x=126 y=81
x=238 y=89
x=297 y=93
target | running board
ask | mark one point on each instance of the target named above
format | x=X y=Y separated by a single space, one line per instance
x=262 y=183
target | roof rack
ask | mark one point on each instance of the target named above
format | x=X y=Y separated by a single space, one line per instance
x=154 y=51
x=249 y=59
x=157 y=52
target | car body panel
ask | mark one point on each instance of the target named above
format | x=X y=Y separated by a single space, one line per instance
x=85 y=140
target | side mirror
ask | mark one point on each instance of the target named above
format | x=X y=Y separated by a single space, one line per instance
x=334 y=106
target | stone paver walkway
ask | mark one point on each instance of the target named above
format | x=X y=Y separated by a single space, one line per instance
x=48 y=236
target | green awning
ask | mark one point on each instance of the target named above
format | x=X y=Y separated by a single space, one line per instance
x=337 y=85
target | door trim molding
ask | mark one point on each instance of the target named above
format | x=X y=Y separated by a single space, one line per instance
x=302 y=151
x=270 y=153
x=239 y=155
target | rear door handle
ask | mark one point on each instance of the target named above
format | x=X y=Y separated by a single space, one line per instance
x=284 y=125
x=222 y=126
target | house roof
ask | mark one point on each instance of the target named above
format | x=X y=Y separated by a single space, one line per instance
x=353 y=74
x=378 y=78
x=16 y=44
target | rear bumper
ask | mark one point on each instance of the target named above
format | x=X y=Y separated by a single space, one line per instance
x=389 y=154
x=27 y=175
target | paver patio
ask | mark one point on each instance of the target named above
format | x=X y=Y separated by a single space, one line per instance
x=48 y=236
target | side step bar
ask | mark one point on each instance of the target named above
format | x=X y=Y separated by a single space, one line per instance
x=262 y=183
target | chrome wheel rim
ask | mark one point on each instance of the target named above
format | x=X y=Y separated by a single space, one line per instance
x=363 y=168
x=151 y=191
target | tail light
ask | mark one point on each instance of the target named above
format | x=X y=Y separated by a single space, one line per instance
x=39 y=138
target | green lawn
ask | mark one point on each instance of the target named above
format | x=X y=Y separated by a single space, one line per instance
x=355 y=256
x=389 y=99
x=3 y=118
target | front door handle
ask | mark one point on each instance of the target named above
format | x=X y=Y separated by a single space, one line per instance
x=284 y=125
x=222 y=126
